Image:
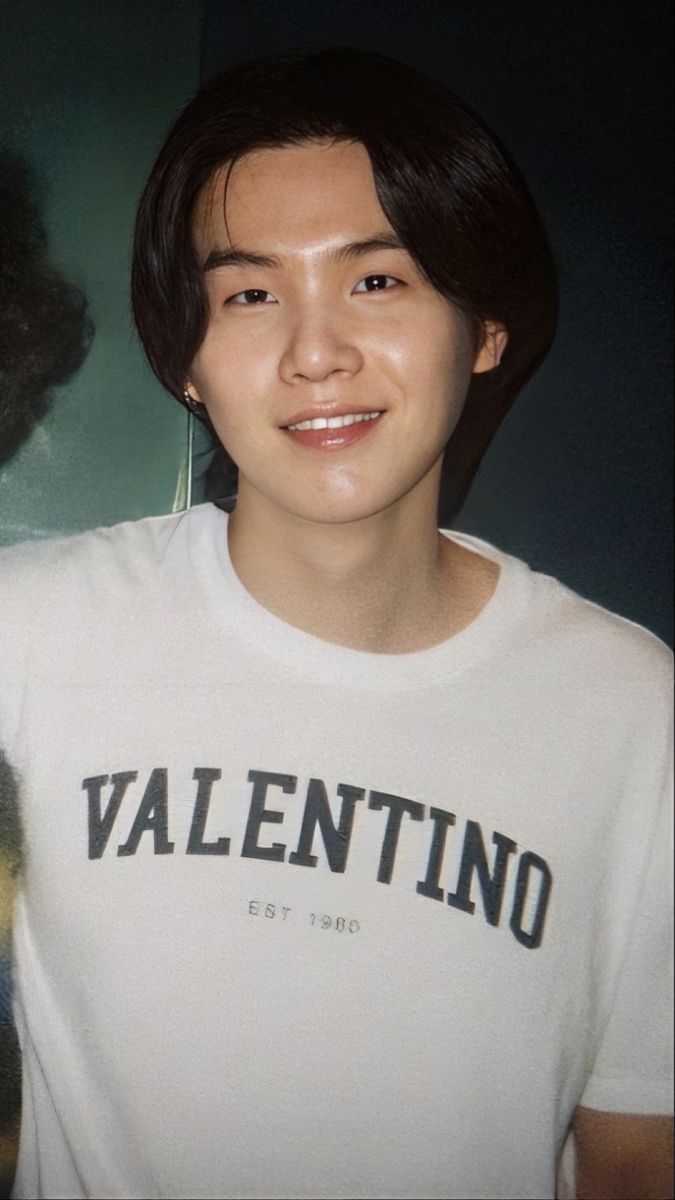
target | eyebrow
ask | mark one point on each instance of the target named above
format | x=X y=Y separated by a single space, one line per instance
x=248 y=258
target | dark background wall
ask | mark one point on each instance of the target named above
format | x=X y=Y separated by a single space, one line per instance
x=87 y=91
x=578 y=481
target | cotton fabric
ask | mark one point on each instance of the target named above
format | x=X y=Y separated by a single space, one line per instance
x=302 y=921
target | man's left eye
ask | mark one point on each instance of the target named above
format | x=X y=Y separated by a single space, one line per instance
x=376 y=283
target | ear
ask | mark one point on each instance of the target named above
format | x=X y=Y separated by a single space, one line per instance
x=489 y=356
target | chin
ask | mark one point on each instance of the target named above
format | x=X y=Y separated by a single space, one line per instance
x=340 y=496
x=340 y=510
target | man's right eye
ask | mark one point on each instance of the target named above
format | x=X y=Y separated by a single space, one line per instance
x=251 y=296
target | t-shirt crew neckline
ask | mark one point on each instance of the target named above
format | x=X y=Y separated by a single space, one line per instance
x=237 y=611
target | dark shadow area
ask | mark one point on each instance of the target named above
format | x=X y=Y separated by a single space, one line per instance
x=45 y=335
x=45 y=332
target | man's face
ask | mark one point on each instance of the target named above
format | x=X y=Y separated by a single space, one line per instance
x=319 y=332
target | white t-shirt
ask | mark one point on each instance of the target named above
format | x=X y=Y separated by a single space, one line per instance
x=302 y=921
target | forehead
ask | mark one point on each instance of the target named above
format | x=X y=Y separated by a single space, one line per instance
x=290 y=198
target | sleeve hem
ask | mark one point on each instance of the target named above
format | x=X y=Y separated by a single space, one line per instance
x=643 y=1096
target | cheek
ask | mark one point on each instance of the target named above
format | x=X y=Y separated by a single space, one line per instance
x=439 y=379
x=229 y=373
x=437 y=343
x=398 y=344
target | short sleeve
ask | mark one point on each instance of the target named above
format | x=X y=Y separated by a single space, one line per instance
x=633 y=1071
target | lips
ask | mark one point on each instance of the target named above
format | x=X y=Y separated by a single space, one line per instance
x=328 y=439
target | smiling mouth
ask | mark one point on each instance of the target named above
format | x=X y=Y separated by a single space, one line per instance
x=333 y=433
x=334 y=422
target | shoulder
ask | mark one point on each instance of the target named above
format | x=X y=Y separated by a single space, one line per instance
x=599 y=645
x=29 y=570
x=107 y=540
x=564 y=637
x=59 y=595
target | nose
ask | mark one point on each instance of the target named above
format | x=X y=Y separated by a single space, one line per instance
x=319 y=344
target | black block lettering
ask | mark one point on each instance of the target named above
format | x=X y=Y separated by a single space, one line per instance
x=528 y=861
x=206 y=777
x=101 y=823
x=397 y=805
x=152 y=816
x=474 y=859
x=317 y=812
x=429 y=885
x=261 y=780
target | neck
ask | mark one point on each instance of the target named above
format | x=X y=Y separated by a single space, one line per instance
x=389 y=583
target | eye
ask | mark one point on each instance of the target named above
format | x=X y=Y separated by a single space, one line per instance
x=251 y=297
x=377 y=283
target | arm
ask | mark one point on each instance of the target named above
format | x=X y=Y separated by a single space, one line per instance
x=622 y=1156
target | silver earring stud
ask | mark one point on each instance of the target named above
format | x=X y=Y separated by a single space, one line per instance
x=191 y=403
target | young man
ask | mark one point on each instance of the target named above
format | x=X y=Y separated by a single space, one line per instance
x=345 y=838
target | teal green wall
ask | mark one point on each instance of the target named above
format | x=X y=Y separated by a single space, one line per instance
x=87 y=91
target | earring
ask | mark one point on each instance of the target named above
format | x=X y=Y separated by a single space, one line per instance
x=190 y=402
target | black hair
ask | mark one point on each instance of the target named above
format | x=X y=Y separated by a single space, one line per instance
x=45 y=332
x=448 y=188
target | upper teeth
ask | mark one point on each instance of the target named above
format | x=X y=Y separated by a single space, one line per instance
x=334 y=422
